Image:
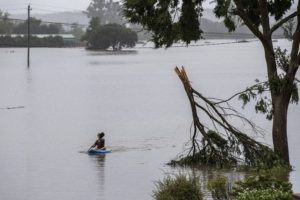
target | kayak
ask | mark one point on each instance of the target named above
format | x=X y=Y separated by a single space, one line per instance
x=98 y=151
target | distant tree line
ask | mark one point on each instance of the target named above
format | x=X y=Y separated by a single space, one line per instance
x=8 y=41
x=36 y=27
x=7 y=26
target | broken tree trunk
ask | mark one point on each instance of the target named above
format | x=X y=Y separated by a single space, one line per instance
x=221 y=144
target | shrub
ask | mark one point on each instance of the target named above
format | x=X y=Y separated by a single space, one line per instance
x=178 y=188
x=262 y=182
x=219 y=188
x=262 y=188
x=268 y=194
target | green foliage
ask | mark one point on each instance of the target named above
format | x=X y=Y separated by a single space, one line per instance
x=267 y=194
x=219 y=155
x=92 y=29
x=109 y=35
x=174 y=20
x=219 y=188
x=262 y=187
x=278 y=85
x=180 y=187
x=169 y=20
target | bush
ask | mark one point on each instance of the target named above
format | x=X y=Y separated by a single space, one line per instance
x=219 y=188
x=109 y=35
x=268 y=194
x=263 y=188
x=262 y=182
x=178 y=188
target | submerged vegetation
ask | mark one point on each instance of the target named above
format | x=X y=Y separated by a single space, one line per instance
x=178 y=188
x=263 y=187
x=219 y=188
x=222 y=144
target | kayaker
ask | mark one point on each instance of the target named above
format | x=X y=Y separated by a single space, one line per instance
x=100 y=142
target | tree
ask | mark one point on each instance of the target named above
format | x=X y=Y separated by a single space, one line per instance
x=92 y=29
x=6 y=26
x=107 y=11
x=175 y=20
x=109 y=35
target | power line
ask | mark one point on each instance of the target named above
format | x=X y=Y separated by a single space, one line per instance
x=51 y=6
x=13 y=9
x=47 y=10
x=12 y=5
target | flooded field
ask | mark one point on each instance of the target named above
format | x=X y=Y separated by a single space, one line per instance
x=69 y=95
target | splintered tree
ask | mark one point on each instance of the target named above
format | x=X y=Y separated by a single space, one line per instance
x=178 y=20
x=221 y=143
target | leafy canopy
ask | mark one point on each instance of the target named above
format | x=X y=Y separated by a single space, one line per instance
x=174 y=20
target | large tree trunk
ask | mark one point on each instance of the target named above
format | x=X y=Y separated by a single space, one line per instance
x=280 y=105
x=279 y=132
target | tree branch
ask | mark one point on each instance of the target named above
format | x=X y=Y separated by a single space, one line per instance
x=295 y=45
x=228 y=146
x=248 y=21
x=283 y=21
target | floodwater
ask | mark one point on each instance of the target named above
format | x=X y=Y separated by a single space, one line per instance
x=69 y=95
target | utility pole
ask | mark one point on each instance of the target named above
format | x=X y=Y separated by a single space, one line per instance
x=28 y=36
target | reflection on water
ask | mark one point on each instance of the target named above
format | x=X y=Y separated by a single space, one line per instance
x=111 y=53
x=99 y=164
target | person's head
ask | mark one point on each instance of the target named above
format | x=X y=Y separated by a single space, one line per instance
x=101 y=135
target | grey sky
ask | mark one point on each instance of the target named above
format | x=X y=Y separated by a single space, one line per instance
x=46 y=6
x=17 y=6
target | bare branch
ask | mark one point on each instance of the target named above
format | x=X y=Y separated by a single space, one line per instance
x=239 y=93
x=283 y=21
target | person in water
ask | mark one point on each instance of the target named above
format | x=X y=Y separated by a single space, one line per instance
x=100 y=142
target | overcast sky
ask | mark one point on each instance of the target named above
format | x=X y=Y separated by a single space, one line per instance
x=17 y=6
x=46 y=6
